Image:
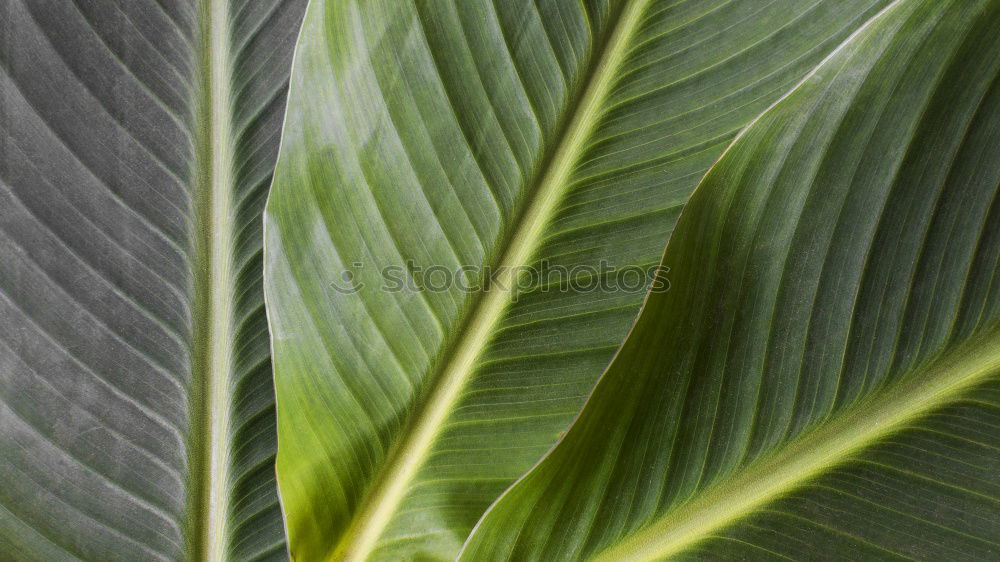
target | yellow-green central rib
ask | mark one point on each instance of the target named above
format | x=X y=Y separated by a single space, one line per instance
x=939 y=383
x=208 y=494
x=376 y=512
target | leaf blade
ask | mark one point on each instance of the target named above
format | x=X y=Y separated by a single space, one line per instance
x=105 y=183
x=408 y=117
x=873 y=162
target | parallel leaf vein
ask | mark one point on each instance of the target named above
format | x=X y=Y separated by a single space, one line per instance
x=393 y=483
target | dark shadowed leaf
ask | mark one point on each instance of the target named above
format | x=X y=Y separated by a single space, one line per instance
x=137 y=139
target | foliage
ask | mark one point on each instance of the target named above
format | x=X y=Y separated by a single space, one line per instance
x=481 y=349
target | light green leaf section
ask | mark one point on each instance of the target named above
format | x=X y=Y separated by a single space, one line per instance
x=821 y=380
x=137 y=141
x=422 y=137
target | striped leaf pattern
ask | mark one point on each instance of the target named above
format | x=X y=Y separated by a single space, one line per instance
x=422 y=137
x=137 y=141
x=820 y=381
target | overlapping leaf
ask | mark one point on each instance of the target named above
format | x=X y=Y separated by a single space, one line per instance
x=132 y=425
x=439 y=135
x=821 y=380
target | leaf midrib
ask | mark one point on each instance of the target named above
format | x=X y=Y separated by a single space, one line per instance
x=212 y=318
x=938 y=383
x=393 y=481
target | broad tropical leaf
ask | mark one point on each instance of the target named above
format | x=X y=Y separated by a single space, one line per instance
x=422 y=137
x=137 y=139
x=822 y=379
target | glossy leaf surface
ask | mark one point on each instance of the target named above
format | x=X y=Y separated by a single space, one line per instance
x=137 y=140
x=512 y=134
x=821 y=380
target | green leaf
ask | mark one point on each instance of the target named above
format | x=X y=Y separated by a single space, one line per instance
x=822 y=379
x=510 y=134
x=137 y=139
